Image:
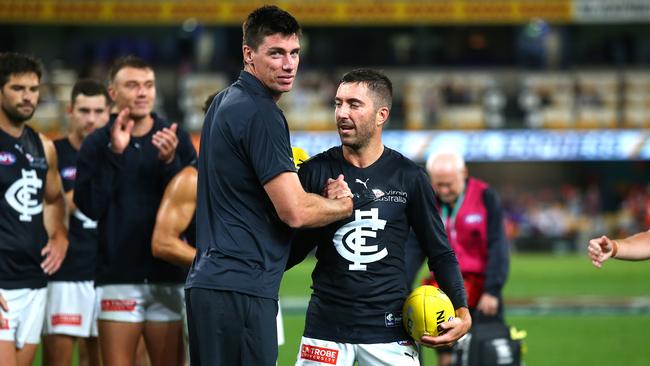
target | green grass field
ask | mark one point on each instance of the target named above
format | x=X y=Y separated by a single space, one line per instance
x=554 y=337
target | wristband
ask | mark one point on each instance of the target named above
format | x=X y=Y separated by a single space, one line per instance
x=614 y=248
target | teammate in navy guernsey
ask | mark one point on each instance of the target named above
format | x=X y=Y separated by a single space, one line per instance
x=33 y=237
x=359 y=282
x=72 y=309
x=248 y=199
x=122 y=171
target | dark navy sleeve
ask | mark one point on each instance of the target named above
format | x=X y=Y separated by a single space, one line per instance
x=97 y=171
x=498 y=256
x=305 y=240
x=431 y=235
x=268 y=146
x=68 y=184
x=302 y=243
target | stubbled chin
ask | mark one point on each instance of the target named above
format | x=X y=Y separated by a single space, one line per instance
x=346 y=133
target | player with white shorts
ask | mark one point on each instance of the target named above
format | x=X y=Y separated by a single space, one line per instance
x=72 y=304
x=359 y=281
x=72 y=308
x=123 y=169
x=316 y=352
x=29 y=181
x=140 y=303
x=23 y=322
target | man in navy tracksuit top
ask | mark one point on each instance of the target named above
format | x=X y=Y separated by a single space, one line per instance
x=71 y=310
x=359 y=284
x=123 y=169
x=248 y=199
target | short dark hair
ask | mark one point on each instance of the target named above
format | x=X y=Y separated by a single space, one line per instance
x=90 y=88
x=375 y=81
x=265 y=21
x=12 y=63
x=127 y=61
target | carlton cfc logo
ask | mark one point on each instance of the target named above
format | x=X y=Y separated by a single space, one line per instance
x=20 y=195
x=350 y=239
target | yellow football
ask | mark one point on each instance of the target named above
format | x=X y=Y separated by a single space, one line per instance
x=299 y=156
x=424 y=310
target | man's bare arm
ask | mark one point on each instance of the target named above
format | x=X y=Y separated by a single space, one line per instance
x=633 y=248
x=174 y=216
x=54 y=213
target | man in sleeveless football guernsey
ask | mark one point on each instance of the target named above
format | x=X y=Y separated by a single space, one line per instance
x=33 y=237
x=174 y=234
x=359 y=285
x=72 y=303
x=249 y=198
x=122 y=171
x=473 y=218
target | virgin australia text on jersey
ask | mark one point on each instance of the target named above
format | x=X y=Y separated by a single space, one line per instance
x=393 y=196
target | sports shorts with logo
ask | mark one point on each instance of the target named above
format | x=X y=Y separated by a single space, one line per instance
x=24 y=321
x=72 y=308
x=316 y=352
x=142 y=302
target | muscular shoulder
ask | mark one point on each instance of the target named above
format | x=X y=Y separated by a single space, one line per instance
x=182 y=188
x=187 y=177
x=48 y=147
x=46 y=140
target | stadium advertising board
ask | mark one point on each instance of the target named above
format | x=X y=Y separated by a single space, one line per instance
x=506 y=146
x=320 y=12
x=608 y=11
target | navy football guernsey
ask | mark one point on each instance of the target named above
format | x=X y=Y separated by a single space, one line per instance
x=122 y=192
x=23 y=172
x=359 y=282
x=242 y=245
x=80 y=260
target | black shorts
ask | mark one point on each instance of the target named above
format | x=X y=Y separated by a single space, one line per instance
x=229 y=328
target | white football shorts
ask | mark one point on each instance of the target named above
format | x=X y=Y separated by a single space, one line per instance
x=142 y=302
x=316 y=352
x=24 y=321
x=72 y=308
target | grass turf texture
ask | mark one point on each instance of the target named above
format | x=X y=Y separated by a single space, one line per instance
x=553 y=339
